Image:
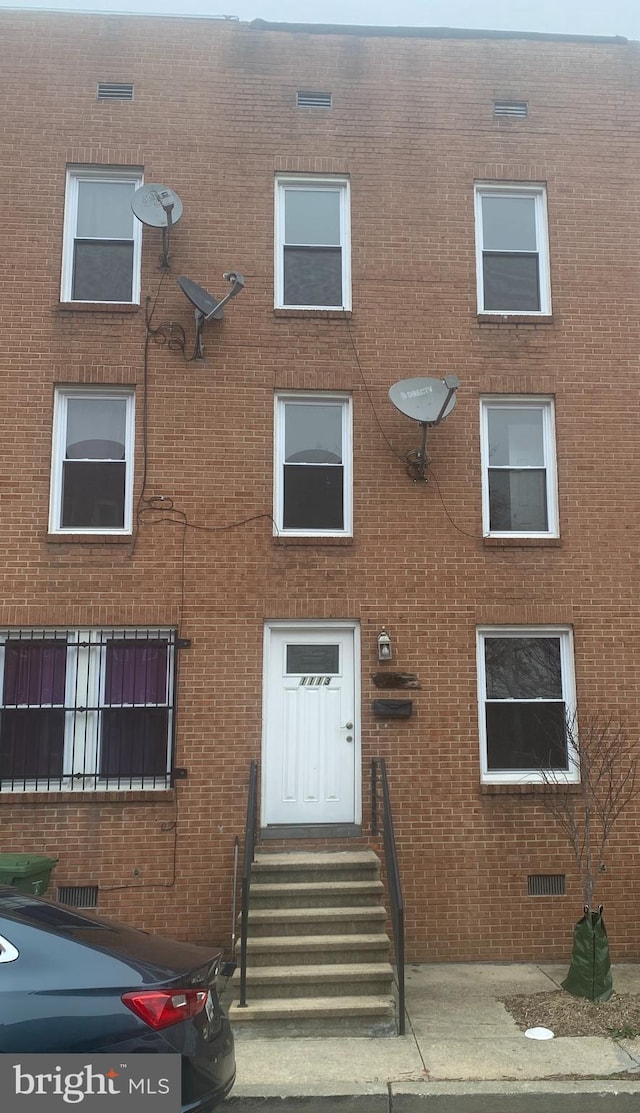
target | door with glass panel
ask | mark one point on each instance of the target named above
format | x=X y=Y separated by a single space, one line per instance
x=311 y=756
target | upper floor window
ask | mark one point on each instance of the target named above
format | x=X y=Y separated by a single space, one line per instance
x=92 y=461
x=512 y=249
x=102 y=239
x=313 y=266
x=519 y=489
x=526 y=692
x=313 y=464
x=86 y=709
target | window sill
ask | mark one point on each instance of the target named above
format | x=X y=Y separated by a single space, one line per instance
x=314 y=542
x=532 y=788
x=96 y=307
x=515 y=319
x=522 y=542
x=89 y=538
x=326 y=314
x=100 y=796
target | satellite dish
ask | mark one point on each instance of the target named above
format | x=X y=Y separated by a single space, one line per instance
x=156 y=206
x=206 y=306
x=425 y=400
x=203 y=302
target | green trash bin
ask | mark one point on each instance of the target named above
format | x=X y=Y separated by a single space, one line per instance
x=28 y=872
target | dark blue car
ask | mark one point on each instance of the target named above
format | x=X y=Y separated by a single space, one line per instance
x=72 y=982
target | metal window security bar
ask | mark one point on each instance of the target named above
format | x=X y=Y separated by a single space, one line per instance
x=86 y=709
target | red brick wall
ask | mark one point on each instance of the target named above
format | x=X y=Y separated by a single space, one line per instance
x=214 y=117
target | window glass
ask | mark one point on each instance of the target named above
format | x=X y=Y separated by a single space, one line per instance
x=104 y=210
x=313 y=659
x=313 y=434
x=96 y=428
x=523 y=668
x=508 y=223
x=526 y=736
x=515 y=437
x=312 y=216
x=103 y=271
x=511 y=283
x=518 y=501
x=136 y=673
x=312 y=276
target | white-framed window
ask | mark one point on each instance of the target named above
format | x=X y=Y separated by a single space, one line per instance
x=512 y=248
x=526 y=694
x=519 y=478
x=86 y=708
x=92 y=460
x=102 y=244
x=313 y=450
x=312 y=243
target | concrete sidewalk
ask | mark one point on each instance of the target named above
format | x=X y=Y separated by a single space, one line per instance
x=459 y=1039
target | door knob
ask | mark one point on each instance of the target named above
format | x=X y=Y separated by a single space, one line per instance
x=348 y=726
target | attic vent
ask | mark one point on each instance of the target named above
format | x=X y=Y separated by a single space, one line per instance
x=517 y=108
x=78 y=896
x=546 y=884
x=111 y=90
x=313 y=100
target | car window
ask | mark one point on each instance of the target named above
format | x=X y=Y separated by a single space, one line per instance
x=44 y=915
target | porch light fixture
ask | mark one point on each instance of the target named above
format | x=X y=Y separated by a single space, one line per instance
x=385 y=651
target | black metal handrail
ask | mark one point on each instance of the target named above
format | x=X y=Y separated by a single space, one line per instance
x=379 y=777
x=249 y=854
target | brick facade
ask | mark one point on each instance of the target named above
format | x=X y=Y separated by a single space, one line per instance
x=214 y=117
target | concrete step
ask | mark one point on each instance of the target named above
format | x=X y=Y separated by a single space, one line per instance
x=335 y=980
x=315 y=921
x=308 y=950
x=316 y=894
x=301 y=1016
x=316 y=866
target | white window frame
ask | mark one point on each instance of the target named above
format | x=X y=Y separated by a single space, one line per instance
x=315 y=182
x=85 y=675
x=538 y=193
x=282 y=399
x=61 y=398
x=76 y=174
x=545 y=405
x=571 y=775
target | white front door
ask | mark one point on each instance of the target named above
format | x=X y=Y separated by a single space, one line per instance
x=311 y=754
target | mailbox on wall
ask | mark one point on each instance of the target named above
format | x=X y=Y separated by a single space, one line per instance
x=392 y=708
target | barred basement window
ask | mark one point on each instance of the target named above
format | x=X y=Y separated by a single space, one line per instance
x=546 y=884
x=86 y=709
x=78 y=896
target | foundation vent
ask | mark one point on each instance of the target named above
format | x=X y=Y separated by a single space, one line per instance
x=313 y=100
x=517 y=109
x=78 y=896
x=546 y=884
x=113 y=90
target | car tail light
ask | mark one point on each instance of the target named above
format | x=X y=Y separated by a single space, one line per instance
x=161 y=1007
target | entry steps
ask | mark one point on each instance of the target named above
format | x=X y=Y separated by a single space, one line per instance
x=317 y=949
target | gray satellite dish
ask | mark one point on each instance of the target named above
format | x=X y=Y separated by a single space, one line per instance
x=158 y=207
x=206 y=306
x=203 y=302
x=427 y=401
